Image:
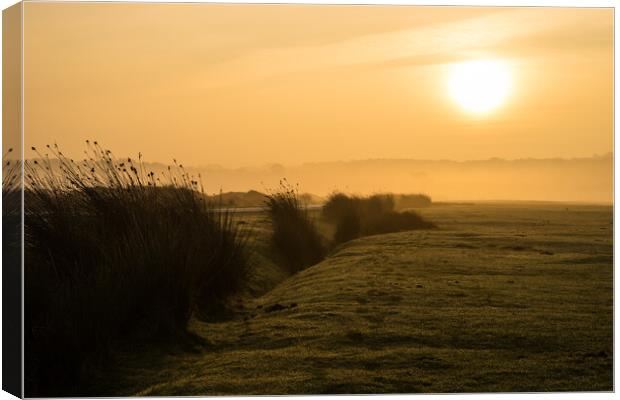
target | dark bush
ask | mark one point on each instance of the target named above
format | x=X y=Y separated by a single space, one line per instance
x=115 y=254
x=356 y=216
x=348 y=227
x=339 y=205
x=295 y=237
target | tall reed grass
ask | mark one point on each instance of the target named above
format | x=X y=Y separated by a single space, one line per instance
x=116 y=254
x=11 y=268
x=295 y=238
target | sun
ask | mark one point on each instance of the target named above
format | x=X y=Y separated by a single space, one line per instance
x=480 y=86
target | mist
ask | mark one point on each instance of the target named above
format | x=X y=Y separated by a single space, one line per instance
x=573 y=180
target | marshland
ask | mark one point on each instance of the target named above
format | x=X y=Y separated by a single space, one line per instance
x=288 y=199
x=140 y=284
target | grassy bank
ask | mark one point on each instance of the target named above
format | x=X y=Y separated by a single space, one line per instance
x=501 y=298
x=137 y=284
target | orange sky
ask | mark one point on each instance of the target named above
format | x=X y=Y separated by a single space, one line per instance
x=253 y=84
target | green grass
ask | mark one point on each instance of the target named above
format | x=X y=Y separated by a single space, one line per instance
x=510 y=297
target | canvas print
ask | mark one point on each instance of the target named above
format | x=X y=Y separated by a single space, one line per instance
x=285 y=199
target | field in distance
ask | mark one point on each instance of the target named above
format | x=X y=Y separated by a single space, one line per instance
x=501 y=297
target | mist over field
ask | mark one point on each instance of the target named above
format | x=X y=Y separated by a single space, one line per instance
x=578 y=179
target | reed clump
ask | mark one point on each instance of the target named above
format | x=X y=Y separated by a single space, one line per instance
x=356 y=216
x=116 y=254
x=295 y=238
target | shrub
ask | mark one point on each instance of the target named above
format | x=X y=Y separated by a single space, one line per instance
x=116 y=254
x=338 y=206
x=295 y=237
x=374 y=205
x=356 y=216
x=348 y=227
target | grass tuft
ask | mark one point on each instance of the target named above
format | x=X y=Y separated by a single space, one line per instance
x=116 y=254
x=295 y=237
x=356 y=216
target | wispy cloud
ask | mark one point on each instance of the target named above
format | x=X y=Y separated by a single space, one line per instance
x=512 y=31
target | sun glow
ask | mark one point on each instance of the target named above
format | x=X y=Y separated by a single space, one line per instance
x=480 y=86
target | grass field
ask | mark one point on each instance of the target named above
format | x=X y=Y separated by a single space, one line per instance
x=501 y=297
